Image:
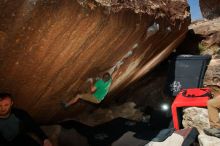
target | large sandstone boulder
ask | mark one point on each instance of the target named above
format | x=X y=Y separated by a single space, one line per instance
x=49 y=48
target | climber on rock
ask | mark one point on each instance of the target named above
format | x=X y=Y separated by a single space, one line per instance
x=98 y=91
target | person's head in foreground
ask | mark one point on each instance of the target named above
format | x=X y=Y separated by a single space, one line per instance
x=5 y=104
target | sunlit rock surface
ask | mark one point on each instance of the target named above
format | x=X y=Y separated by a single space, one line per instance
x=49 y=48
x=209 y=32
x=212 y=77
x=205 y=140
x=198 y=118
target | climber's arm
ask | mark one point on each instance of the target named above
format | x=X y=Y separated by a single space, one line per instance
x=92 y=86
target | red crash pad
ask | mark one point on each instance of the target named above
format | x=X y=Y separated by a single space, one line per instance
x=189 y=97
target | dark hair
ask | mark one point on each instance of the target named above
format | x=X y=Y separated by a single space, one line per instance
x=4 y=95
x=106 y=76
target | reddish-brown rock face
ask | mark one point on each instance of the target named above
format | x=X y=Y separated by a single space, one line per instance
x=210 y=8
x=49 y=48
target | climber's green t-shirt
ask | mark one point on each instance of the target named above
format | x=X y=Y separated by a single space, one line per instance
x=102 y=88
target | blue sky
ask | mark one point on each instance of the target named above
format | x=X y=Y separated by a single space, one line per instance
x=195 y=9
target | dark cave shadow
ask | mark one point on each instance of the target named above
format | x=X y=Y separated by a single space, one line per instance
x=107 y=133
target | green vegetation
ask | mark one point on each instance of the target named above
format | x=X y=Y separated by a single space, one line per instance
x=201 y=47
